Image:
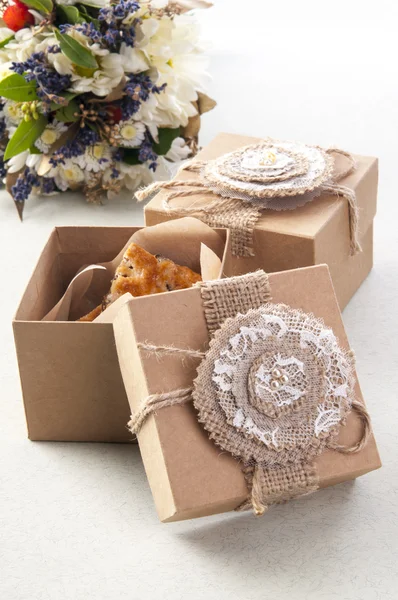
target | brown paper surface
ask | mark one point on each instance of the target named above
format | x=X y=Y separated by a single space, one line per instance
x=190 y=476
x=316 y=233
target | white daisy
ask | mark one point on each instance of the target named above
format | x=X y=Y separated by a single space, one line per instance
x=96 y=158
x=50 y=135
x=12 y=113
x=19 y=161
x=67 y=175
x=129 y=134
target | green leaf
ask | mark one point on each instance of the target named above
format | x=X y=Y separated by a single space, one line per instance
x=34 y=150
x=15 y=87
x=67 y=96
x=91 y=126
x=91 y=16
x=5 y=42
x=166 y=138
x=130 y=156
x=90 y=4
x=25 y=136
x=66 y=114
x=45 y=6
x=76 y=52
x=68 y=14
x=95 y=22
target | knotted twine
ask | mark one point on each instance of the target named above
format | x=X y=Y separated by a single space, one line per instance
x=301 y=419
x=268 y=175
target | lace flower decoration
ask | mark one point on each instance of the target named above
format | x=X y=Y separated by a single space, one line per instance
x=274 y=386
x=279 y=175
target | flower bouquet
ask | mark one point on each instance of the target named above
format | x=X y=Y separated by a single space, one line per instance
x=97 y=95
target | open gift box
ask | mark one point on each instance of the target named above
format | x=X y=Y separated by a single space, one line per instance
x=316 y=233
x=70 y=375
x=191 y=475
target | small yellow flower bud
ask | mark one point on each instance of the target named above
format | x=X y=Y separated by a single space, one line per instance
x=27 y=118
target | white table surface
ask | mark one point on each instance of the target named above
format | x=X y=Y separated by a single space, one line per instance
x=77 y=521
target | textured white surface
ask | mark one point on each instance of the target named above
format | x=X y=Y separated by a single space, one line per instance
x=77 y=521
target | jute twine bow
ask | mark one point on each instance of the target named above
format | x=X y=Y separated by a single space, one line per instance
x=267 y=483
x=240 y=214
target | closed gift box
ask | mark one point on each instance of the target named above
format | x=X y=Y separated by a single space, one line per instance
x=71 y=382
x=316 y=233
x=189 y=475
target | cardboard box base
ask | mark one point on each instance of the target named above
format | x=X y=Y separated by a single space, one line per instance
x=71 y=382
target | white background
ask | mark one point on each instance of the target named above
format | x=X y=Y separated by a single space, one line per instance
x=77 y=520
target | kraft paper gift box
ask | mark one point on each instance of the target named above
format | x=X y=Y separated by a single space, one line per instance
x=189 y=475
x=71 y=382
x=315 y=233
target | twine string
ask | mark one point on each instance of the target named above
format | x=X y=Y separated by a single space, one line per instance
x=159 y=350
x=220 y=204
x=353 y=212
x=154 y=403
x=363 y=414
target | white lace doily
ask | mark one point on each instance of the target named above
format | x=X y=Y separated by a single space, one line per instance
x=274 y=386
x=278 y=175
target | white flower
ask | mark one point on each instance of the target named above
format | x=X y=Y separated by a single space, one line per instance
x=133 y=60
x=12 y=113
x=100 y=81
x=171 y=49
x=96 y=158
x=38 y=17
x=129 y=133
x=130 y=177
x=5 y=33
x=5 y=69
x=50 y=135
x=26 y=42
x=178 y=151
x=19 y=161
x=67 y=175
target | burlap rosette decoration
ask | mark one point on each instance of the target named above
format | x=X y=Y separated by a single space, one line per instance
x=273 y=388
x=270 y=175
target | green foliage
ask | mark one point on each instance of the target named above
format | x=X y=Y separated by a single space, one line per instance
x=89 y=14
x=130 y=156
x=45 y=6
x=66 y=114
x=15 y=87
x=68 y=14
x=67 y=96
x=5 y=42
x=166 y=138
x=76 y=52
x=25 y=136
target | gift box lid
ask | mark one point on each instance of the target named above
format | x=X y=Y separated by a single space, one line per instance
x=305 y=221
x=188 y=474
